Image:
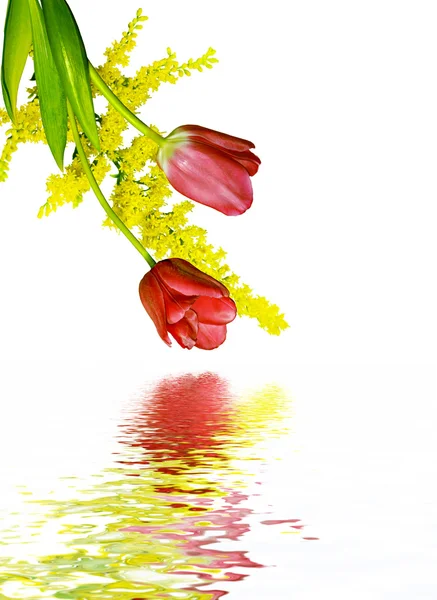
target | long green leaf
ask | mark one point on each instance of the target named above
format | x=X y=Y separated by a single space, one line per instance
x=52 y=101
x=16 y=46
x=72 y=64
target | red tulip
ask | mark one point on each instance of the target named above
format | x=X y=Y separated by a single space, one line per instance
x=185 y=302
x=210 y=167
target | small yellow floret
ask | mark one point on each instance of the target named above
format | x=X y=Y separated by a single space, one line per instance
x=141 y=189
x=118 y=53
x=4 y=117
x=28 y=128
x=71 y=185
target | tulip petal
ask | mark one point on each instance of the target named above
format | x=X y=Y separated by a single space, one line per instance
x=250 y=161
x=233 y=146
x=153 y=301
x=215 y=311
x=185 y=330
x=212 y=137
x=210 y=336
x=209 y=176
x=183 y=277
x=176 y=305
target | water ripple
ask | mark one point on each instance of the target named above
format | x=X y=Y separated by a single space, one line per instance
x=162 y=521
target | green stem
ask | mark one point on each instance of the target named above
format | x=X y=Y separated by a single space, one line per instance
x=121 y=108
x=100 y=197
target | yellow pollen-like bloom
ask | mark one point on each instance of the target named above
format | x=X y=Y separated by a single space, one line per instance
x=141 y=191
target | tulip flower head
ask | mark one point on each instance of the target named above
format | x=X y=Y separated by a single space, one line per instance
x=210 y=167
x=187 y=303
x=190 y=301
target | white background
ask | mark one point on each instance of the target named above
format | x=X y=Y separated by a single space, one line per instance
x=340 y=99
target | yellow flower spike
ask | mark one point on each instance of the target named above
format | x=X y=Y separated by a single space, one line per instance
x=141 y=191
x=28 y=128
x=118 y=53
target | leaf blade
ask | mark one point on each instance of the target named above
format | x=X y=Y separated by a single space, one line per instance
x=16 y=46
x=52 y=100
x=72 y=63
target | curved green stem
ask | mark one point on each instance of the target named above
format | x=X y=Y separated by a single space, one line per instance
x=121 y=108
x=100 y=197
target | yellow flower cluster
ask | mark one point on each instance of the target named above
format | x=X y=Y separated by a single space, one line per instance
x=170 y=234
x=72 y=184
x=28 y=128
x=3 y=116
x=141 y=189
x=140 y=201
x=118 y=53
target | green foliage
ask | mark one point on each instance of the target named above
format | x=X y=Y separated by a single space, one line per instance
x=141 y=192
x=72 y=63
x=16 y=47
x=50 y=93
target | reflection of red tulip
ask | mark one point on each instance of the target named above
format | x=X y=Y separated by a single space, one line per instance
x=192 y=306
x=189 y=414
x=210 y=167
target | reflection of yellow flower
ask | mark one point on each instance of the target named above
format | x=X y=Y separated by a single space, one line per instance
x=145 y=529
x=263 y=410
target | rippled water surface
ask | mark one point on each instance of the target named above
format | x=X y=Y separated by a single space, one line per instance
x=203 y=486
x=163 y=519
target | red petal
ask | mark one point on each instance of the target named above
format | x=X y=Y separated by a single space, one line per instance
x=153 y=301
x=185 y=330
x=210 y=336
x=215 y=311
x=233 y=146
x=209 y=176
x=212 y=137
x=176 y=305
x=249 y=161
x=181 y=276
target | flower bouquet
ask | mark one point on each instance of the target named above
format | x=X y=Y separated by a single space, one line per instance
x=189 y=292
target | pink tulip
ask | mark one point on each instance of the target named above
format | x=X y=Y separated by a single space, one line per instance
x=185 y=302
x=210 y=167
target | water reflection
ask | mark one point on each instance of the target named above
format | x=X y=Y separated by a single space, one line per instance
x=162 y=521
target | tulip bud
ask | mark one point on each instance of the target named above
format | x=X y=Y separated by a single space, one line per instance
x=185 y=302
x=210 y=167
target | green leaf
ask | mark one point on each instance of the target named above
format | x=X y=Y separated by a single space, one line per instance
x=72 y=63
x=16 y=46
x=53 y=103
